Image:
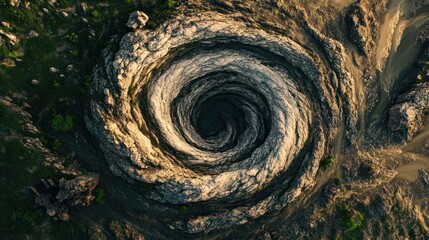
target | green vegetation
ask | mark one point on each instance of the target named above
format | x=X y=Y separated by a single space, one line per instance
x=72 y=37
x=69 y=230
x=57 y=145
x=183 y=208
x=27 y=216
x=352 y=219
x=62 y=123
x=19 y=168
x=171 y=3
x=327 y=162
x=100 y=195
x=56 y=41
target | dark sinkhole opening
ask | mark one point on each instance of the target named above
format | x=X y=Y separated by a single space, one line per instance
x=213 y=116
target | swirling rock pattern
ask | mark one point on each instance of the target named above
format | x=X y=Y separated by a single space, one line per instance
x=212 y=109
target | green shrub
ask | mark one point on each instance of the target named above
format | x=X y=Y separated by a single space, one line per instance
x=62 y=123
x=72 y=37
x=327 y=162
x=171 y=3
x=29 y=217
x=57 y=145
x=100 y=195
x=353 y=220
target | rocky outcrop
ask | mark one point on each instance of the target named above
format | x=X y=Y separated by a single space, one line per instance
x=424 y=176
x=137 y=20
x=209 y=108
x=363 y=23
x=407 y=115
x=57 y=198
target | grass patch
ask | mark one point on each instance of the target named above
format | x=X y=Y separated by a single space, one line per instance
x=100 y=195
x=62 y=123
x=20 y=167
x=9 y=120
x=61 y=41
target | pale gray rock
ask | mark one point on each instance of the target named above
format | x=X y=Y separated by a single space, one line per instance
x=5 y=24
x=14 y=3
x=53 y=70
x=406 y=116
x=137 y=19
x=56 y=199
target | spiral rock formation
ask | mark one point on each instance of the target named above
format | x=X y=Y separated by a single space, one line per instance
x=213 y=109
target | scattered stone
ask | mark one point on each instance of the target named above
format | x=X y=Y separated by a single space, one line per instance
x=53 y=70
x=92 y=33
x=12 y=38
x=8 y=62
x=35 y=82
x=33 y=33
x=5 y=24
x=83 y=7
x=125 y=231
x=137 y=19
x=96 y=233
x=14 y=3
x=51 y=212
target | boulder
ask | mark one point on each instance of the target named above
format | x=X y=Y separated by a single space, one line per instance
x=137 y=20
x=407 y=115
x=78 y=190
x=57 y=198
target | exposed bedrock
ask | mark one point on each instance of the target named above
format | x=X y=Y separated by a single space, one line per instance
x=363 y=19
x=212 y=109
x=407 y=115
x=57 y=198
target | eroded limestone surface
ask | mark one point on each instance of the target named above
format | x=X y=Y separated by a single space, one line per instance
x=234 y=105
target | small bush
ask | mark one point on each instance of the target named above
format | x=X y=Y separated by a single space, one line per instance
x=62 y=123
x=100 y=195
x=72 y=37
x=57 y=145
x=353 y=220
x=327 y=162
x=29 y=217
x=183 y=208
x=171 y=3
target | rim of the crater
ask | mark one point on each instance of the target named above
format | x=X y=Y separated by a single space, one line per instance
x=150 y=37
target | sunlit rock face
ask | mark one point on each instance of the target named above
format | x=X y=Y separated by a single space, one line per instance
x=236 y=111
x=208 y=108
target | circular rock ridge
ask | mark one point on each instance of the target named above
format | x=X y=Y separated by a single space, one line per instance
x=210 y=109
